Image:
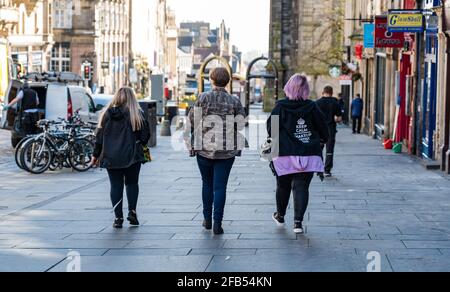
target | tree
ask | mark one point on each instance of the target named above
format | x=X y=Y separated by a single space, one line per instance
x=325 y=44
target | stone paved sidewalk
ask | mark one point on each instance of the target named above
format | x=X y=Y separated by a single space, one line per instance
x=377 y=201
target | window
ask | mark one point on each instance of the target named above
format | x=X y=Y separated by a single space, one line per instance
x=60 y=61
x=62 y=15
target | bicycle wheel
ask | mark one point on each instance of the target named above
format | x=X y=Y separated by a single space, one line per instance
x=36 y=157
x=18 y=152
x=80 y=155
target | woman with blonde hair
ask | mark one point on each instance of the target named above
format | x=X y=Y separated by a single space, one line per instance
x=122 y=132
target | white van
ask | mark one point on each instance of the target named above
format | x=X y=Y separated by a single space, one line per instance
x=56 y=100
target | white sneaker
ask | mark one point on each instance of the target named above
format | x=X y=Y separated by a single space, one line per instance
x=298 y=228
x=279 y=220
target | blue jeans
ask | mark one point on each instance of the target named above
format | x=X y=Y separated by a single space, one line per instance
x=215 y=175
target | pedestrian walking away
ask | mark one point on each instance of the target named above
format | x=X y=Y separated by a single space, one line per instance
x=121 y=136
x=210 y=143
x=301 y=131
x=343 y=107
x=333 y=115
x=357 y=111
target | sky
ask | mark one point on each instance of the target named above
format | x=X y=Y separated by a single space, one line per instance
x=248 y=19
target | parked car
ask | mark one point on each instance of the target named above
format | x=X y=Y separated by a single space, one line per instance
x=102 y=100
x=59 y=98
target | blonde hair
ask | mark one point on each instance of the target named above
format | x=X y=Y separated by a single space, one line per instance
x=126 y=99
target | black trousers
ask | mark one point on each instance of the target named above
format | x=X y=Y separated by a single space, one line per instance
x=329 y=155
x=357 y=124
x=298 y=184
x=119 y=178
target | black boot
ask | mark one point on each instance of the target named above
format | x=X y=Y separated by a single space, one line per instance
x=118 y=223
x=132 y=218
x=207 y=224
x=218 y=230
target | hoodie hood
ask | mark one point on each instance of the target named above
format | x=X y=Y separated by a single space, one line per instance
x=116 y=113
x=296 y=107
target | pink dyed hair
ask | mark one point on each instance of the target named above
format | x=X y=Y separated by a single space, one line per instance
x=297 y=88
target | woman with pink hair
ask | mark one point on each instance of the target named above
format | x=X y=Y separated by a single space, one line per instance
x=297 y=128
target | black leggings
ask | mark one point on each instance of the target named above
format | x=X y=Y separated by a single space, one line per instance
x=130 y=178
x=299 y=184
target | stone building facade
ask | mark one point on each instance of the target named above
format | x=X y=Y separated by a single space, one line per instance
x=94 y=32
x=303 y=38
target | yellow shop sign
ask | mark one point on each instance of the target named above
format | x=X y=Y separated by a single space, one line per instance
x=405 y=21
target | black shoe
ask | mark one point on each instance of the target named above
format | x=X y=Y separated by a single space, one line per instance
x=279 y=220
x=132 y=218
x=321 y=176
x=218 y=230
x=328 y=174
x=118 y=224
x=207 y=224
x=298 y=228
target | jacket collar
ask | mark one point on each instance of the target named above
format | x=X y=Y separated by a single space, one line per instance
x=219 y=89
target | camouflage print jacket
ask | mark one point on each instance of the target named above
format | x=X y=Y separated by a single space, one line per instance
x=215 y=122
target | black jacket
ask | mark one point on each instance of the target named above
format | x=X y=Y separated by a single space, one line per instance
x=117 y=146
x=330 y=107
x=302 y=128
x=29 y=100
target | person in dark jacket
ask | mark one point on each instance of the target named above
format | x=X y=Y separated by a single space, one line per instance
x=28 y=101
x=121 y=135
x=215 y=122
x=333 y=115
x=343 y=106
x=298 y=129
x=357 y=112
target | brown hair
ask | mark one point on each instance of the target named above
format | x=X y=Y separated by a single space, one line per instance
x=220 y=77
x=328 y=90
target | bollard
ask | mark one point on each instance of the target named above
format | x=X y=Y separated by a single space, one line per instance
x=180 y=124
x=165 y=129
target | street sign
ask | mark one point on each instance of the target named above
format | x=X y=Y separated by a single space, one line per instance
x=385 y=38
x=105 y=65
x=406 y=21
x=369 y=35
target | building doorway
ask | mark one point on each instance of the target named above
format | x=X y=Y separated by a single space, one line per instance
x=380 y=95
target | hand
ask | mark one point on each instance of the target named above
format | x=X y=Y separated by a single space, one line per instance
x=94 y=162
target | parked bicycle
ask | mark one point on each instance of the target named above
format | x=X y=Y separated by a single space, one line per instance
x=62 y=144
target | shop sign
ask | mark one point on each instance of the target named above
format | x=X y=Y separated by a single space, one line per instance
x=335 y=71
x=385 y=38
x=345 y=80
x=369 y=35
x=406 y=21
x=36 y=58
